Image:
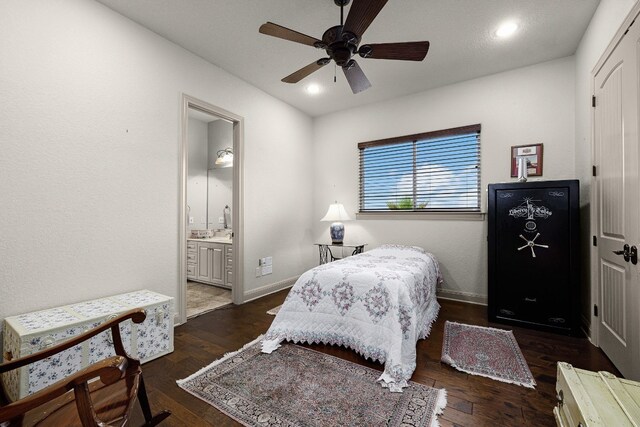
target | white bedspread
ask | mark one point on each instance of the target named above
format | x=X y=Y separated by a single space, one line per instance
x=378 y=303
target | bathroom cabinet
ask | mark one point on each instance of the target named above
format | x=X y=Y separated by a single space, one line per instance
x=210 y=262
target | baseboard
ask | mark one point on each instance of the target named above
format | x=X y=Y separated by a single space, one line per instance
x=269 y=289
x=462 y=296
x=176 y=319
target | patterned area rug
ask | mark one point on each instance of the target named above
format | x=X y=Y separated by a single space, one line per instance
x=488 y=352
x=295 y=386
x=274 y=310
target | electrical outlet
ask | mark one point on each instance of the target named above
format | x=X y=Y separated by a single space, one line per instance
x=267 y=269
x=258 y=271
x=221 y=220
x=268 y=261
x=190 y=220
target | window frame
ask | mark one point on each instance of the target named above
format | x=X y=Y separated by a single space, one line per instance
x=434 y=213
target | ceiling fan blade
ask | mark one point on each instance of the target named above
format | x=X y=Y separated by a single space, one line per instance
x=281 y=32
x=356 y=78
x=303 y=72
x=361 y=15
x=408 y=51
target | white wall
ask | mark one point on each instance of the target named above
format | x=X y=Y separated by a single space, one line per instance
x=220 y=179
x=602 y=28
x=89 y=158
x=197 y=142
x=524 y=106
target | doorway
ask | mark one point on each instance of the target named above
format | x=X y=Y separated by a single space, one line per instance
x=210 y=234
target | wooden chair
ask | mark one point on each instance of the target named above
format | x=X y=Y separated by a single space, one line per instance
x=79 y=401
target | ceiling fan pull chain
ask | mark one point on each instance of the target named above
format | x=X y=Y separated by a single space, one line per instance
x=335 y=70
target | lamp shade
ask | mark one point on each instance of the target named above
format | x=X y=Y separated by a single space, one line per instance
x=336 y=212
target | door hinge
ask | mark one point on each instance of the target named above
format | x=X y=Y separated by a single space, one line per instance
x=595 y=310
x=595 y=241
x=593 y=101
x=628 y=28
x=594 y=170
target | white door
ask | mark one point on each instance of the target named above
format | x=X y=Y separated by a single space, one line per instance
x=617 y=193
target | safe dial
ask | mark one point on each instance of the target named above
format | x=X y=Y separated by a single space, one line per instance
x=531 y=244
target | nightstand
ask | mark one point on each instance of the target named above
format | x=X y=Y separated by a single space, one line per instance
x=326 y=255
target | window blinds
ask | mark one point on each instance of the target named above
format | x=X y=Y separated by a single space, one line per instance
x=435 y=171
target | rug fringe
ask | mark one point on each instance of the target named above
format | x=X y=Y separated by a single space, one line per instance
x=217 y=362
x=450 y=362
x=274 y=310
x=440 y=405
x=480 y=327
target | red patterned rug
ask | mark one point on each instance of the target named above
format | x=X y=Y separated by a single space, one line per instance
x=488 y=352
x=296 y=386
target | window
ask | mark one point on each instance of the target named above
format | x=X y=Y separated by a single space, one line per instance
x=430 y=172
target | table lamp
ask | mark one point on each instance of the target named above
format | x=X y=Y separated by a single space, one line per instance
x=336 y=213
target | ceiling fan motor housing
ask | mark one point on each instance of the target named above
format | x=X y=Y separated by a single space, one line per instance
x=339 y=45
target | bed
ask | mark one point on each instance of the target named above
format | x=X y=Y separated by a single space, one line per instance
x=378 y=303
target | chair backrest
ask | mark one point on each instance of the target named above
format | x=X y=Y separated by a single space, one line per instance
x=101 y=394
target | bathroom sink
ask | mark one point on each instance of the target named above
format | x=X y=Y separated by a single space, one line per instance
x=211 y=235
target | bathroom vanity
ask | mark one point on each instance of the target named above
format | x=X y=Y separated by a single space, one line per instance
x=210 y=261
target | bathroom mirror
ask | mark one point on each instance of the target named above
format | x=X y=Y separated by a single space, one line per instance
x=209 y=185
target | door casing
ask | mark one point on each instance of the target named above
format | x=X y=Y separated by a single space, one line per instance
x=237 y=216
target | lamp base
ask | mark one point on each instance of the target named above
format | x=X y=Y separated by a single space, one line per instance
x=337 y=232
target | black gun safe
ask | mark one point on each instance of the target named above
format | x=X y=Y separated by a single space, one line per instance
x=534 y=254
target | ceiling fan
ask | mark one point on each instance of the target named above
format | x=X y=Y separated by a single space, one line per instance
x=342 y=42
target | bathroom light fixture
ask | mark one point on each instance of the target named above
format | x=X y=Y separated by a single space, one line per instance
x=224 y=158
x=506 y=29
x=336 y=213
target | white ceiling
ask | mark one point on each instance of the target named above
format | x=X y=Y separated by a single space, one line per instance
x=463 y=46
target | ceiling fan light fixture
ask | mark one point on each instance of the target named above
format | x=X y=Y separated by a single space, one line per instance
x=506 y=29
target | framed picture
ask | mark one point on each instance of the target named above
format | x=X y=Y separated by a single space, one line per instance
x=533 y=155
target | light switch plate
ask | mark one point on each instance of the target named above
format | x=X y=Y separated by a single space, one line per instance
x=258 y=271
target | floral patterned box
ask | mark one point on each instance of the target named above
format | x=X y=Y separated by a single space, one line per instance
x=28 y=333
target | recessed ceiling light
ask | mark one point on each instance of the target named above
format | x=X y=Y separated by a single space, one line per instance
x=506 y=29
x=313 y=89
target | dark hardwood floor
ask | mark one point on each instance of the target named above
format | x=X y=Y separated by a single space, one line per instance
x=471 y=400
